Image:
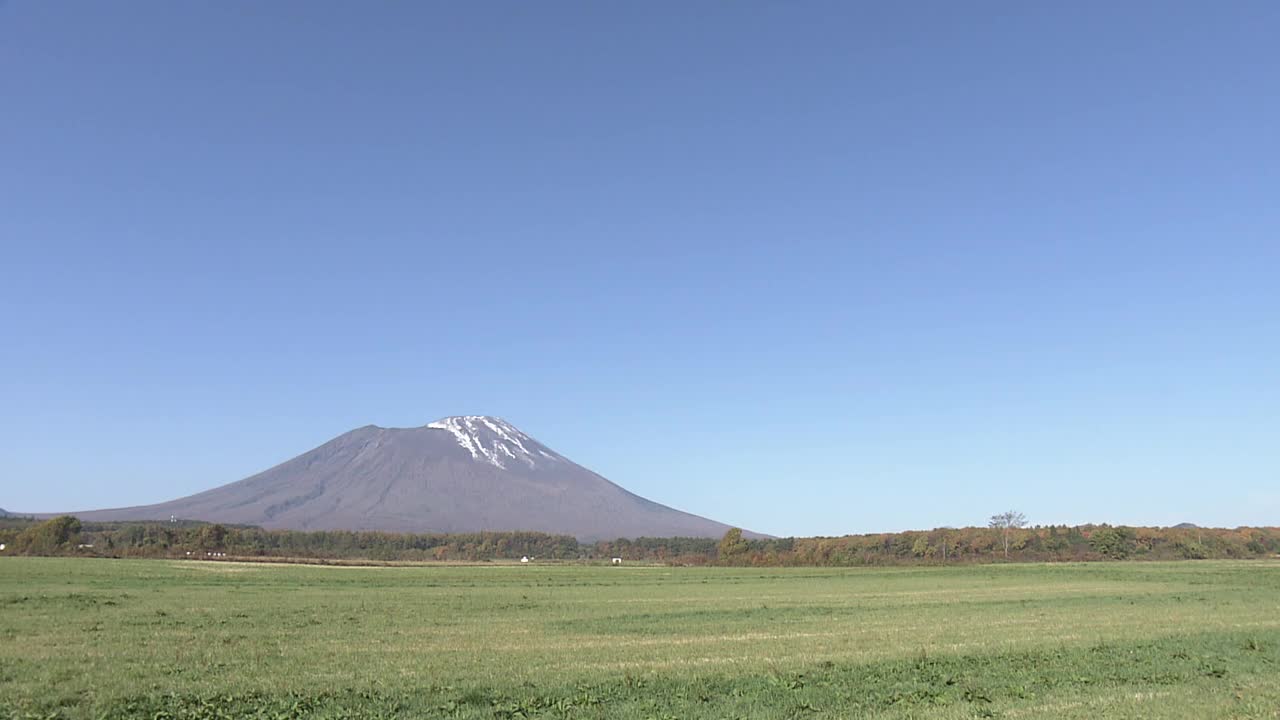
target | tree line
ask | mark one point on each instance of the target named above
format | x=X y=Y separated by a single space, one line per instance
x=1005 y=540
x=67 y=535
x=998 y=543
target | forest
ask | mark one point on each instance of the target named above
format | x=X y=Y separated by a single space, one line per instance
x=67 y=535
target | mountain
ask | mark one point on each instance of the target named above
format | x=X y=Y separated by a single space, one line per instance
x=458 y=474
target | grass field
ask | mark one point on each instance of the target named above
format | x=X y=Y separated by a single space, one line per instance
x=161 y=639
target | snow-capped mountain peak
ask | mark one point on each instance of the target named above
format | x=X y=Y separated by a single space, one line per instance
x=495 y=441
x=462 y=474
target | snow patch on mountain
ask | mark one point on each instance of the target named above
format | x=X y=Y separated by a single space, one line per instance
x=495 y=440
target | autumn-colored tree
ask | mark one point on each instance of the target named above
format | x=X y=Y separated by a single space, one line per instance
x=732 y=546
x=50 y=537
x=212 y=537
x=920 y=548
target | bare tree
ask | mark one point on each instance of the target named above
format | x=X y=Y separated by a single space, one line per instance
x=1006 y=522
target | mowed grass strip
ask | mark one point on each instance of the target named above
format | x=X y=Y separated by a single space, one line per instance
x=92 y=638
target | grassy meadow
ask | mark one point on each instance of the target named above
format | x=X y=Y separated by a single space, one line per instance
x=178 y=639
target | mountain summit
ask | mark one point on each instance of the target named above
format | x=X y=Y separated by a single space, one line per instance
x=496 y=441
x=457 y=474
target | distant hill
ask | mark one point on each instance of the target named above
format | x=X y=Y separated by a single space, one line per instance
x=1186 y=526
x=458 y=474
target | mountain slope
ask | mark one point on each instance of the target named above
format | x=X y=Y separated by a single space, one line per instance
x=458 y=474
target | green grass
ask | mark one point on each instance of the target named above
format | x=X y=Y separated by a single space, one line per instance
x=161 y=639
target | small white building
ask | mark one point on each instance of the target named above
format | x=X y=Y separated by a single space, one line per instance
x=524 y=559
x=617 y=561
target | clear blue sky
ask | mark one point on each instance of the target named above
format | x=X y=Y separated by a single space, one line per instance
x=810 y=268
